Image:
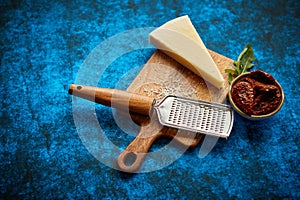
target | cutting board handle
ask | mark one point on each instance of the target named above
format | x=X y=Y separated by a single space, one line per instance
x=135 y=103
x=133 y=156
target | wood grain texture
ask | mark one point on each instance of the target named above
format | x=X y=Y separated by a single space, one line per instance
x=119 y=99
x=162 y=76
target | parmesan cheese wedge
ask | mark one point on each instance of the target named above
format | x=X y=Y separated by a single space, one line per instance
x=179 y=39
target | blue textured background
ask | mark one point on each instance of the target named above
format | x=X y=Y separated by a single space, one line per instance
x=43 y=44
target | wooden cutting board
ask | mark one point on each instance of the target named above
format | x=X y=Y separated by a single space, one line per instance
x=162 y=76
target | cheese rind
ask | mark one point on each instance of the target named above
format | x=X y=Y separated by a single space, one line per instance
x=179 y=39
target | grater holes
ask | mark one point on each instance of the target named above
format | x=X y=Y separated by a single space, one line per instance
x=171 y=115
x=185 y=114
x=199 y=117
x=194 y=122
x=208 y=122
x=218 y=124
x=217 y=120
x=175 y=117
x=223 y=119
x=191 y=116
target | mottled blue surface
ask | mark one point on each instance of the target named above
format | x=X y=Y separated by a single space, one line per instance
x=43 y=44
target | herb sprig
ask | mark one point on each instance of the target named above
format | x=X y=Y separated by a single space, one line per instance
x=242 y=64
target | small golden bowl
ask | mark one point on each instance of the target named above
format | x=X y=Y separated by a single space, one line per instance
x=252 y=117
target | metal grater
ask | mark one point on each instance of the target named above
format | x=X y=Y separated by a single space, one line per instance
x=195 y=115
x=176 y=112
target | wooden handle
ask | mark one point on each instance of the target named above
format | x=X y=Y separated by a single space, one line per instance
x=115 y=98
x=133 y=156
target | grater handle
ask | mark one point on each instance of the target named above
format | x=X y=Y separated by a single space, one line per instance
x=136 y=103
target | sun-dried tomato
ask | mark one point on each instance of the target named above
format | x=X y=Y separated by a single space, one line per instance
x=243 y=96
x=257 y=94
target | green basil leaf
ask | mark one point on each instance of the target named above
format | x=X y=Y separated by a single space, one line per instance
x=243 y=63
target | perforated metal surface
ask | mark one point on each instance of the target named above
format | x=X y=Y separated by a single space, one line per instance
x=197 y=116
